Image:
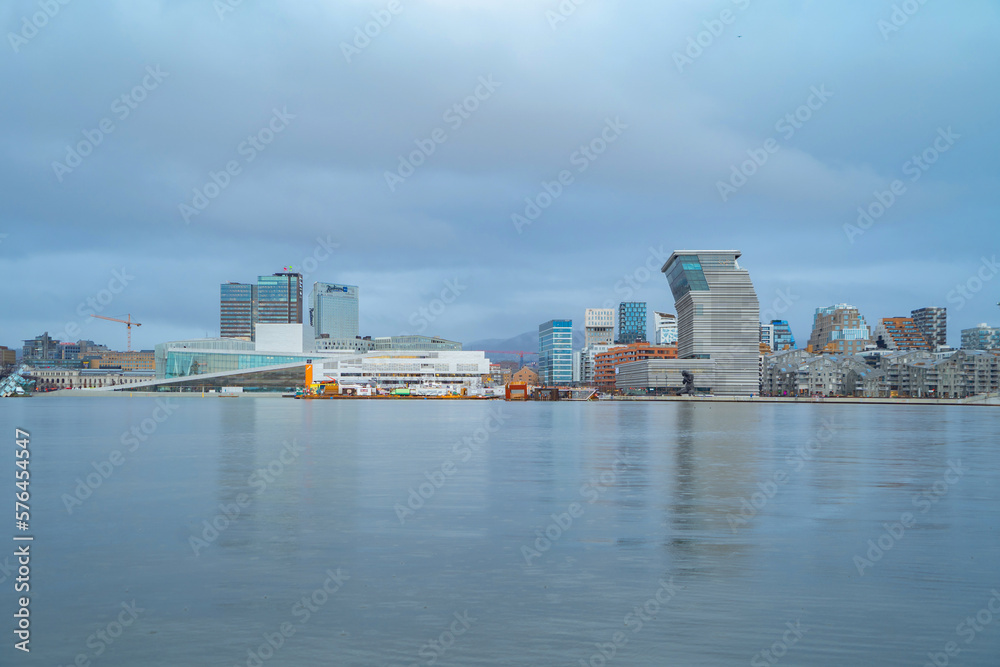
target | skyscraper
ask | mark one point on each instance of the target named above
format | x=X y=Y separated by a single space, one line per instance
x=665 y=328
x=335 y=310
x=632 y=322
x=718 y=316
x=279 y=299
x=599 y=326
x=839 y=329
x=555 y=352
x=933 y=324
x=237 y=310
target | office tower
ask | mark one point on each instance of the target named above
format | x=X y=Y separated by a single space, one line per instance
x=839 y=329
x=237 y=310
x=555 y=352
x=665 y=328
x=631 y=322
x=335 y=310
x=933 y=324
x=782 y=336
x=599 y=326
x=982 y=337
x=279 y=299
x=900 y=333
x=718 y=317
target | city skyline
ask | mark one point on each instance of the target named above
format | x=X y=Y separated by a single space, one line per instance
x=277 y=171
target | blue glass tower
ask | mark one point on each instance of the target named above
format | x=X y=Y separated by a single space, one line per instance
x=555 y=352
x=632 y=322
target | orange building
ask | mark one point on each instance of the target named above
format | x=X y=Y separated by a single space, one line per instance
x=606 y=362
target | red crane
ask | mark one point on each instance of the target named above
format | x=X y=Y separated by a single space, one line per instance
x=129 y=323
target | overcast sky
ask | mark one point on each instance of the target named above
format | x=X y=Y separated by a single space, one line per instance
x=666 y=120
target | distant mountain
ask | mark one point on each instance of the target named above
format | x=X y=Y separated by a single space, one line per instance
x=528 y=341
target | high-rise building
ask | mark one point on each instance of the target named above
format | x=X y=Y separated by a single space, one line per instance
x=664 y=328
x=983 y=337
x=40 y=347
x=933 y=324
x=599 y=326
x=279 y=298
x=631 y=322
x=334 y=312
x=767 y=335
x=555 y=352
x=900 y=333
x=839 y=329
x=237 y=310
x=718 y=317
x=783 y=338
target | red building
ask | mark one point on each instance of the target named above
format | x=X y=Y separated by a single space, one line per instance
x=606 y=362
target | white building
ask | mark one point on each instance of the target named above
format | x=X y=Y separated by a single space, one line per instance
x=397 y=368
x=665 y=328
x=599 y=326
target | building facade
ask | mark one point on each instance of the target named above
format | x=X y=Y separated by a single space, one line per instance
x=900 y=333
x=279 y=298
x=237 y=310
x=718 y=317
x=8 y=357
x=782 y=337
x=334 y=310
x=664 y=328
x=839 y=329
x=555 y=352
x=606 y=363
x=983 y=337
x=599 y=326
x=933 y=324
x=631 y=322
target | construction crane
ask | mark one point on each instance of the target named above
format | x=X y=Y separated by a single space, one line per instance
x=128 y=322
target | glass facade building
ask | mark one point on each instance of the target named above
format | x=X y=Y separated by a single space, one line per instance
x=665 y=328
x=279 y=298
x=983 y=337
x=335 y=310
x=783 y=338
x=237 y=310
x=631 y=322
x=933 y=324
x=555 y=352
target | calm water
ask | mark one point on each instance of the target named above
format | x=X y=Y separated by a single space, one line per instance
x=648 y=496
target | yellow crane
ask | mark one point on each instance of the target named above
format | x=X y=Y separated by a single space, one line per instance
x=128 y=322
